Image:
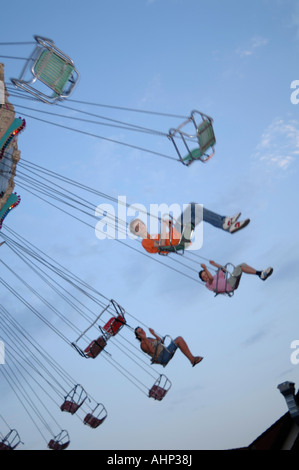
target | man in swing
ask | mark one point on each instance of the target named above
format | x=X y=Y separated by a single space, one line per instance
x=160 y=354
x=220 y=283
x=193 y=214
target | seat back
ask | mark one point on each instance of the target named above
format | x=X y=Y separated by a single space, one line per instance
x=4 y=446
x=52 y=68
x=157 y=392
x=53 y=71
x=95 y=347
x=92 y=421
x=69 y=406
x=206 y=136
x=114 y=325
x=57 y=445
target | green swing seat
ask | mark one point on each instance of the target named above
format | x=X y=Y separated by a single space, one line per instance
x=184 y=242
x=204 y=138
x=50 y=66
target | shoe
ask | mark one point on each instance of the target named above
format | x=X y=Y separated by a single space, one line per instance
x=266 y=273
x=228 y=221
x=238 y=225
x=197 y=360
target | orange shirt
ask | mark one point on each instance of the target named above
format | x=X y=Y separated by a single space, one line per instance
x=148 y=243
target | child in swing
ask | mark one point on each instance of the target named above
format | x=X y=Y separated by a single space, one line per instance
x=221 y=284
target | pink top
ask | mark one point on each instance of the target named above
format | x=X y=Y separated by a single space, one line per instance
x=221 y=283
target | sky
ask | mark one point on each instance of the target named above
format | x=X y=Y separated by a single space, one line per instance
x=236 y=62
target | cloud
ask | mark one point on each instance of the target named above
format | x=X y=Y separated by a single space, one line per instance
x=255 y=43
x=279 y=144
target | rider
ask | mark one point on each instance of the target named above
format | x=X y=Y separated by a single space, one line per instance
x=219 y=284
x=160 y=354
x=193 y=214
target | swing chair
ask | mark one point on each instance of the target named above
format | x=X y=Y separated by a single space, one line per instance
x=111 y=328
x=10 y=204
x=176 y=247
x=227 y=270
x=74 y=399
x=162 y=346
x=96 y=417
x=201 y=134
x=160 y=388
x=59 y=442
x=52 y=68
x=10 y=441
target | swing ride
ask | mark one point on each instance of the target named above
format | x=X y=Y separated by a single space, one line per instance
x=112 y=325
x=11 y=440
x=50 y=77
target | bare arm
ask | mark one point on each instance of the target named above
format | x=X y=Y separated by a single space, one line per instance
x=216 y=265
x=154 y=334
x=210 y=277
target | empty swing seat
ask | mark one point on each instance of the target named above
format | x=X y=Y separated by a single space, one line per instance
x=95 y=347
x=50 y=66
x=200 y=134
x=4 y=446
x=69 y=406
x=157 y=392
x=92 y=421
x=56 y=445
x=114 y=325
x=59 y=442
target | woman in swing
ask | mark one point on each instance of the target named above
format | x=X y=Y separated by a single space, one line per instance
x=220 y=283
x=159 y=354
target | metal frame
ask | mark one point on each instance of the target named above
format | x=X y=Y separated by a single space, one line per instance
x=106 y=334
x=227 y=273
x=194 y=138
x=30 y=67
x=78 y=402
x=184 y=242
x=158 y=391
x=10 y=438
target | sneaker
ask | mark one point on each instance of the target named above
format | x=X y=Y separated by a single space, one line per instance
x=228 y=221
x=238 y=226
x=266 y=273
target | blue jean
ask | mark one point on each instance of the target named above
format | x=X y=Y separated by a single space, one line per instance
x=167 y=353
x=195 y=213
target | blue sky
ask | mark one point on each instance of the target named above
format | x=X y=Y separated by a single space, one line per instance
x=234 y=61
